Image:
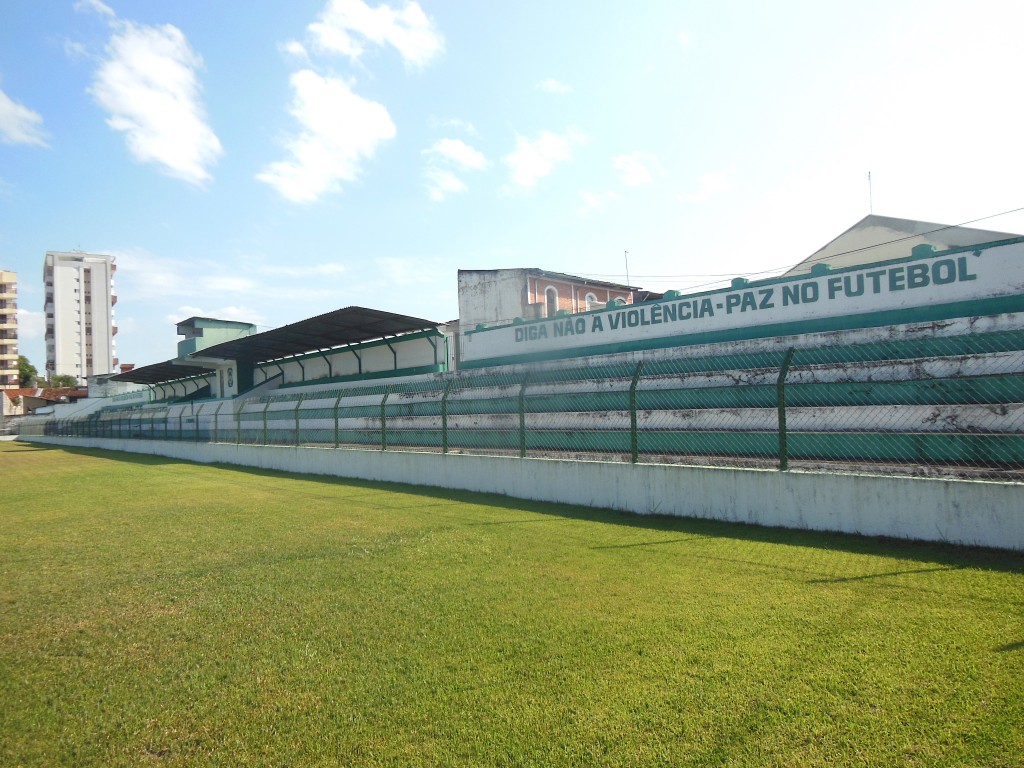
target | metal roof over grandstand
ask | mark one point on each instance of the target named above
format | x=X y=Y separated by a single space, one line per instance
x=158 y=373
x=350 y=325
x=341 y=327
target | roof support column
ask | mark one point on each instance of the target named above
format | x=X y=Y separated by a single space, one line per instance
x=433 y=343
x=330 y=368
x=394 y=354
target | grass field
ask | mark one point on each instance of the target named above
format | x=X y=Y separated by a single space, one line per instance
x=154 y=612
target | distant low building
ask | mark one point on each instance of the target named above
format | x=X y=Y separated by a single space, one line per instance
x=498 y=296
x=501 y=296
x=878 y=238
x=31 y=399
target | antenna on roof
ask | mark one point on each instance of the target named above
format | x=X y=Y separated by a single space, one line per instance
x=627 y=266
x=871 y=204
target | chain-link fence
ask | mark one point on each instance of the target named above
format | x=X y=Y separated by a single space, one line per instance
x=922 y=405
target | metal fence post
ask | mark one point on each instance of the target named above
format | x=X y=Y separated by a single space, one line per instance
x=634 y=442
x=297 y=406
x=444 y=418
x=780 y=396
x=522 y=415
x=337 y=403
x=266 y=434
x=384 y=420
x=216 y=418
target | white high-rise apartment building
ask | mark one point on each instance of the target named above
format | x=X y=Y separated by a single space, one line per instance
x=8 y=329
x=80 y=302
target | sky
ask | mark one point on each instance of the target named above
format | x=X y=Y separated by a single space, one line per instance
x=268 y=162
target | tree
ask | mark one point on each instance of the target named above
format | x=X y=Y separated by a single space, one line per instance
x=63 y=380
x=26 y=372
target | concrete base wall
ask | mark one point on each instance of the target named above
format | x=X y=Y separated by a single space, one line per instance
x=977 y=513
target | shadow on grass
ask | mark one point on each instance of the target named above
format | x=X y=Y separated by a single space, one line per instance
x=886 y=575
x=144 y=459
x=20 y=447
x=948 y=556
x=1011 y=647
x=648 y=543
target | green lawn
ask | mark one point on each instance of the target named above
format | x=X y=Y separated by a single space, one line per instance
x=154 y=612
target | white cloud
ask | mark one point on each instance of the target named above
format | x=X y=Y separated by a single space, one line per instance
x=636 y=168
x=533 y=160
x=406 y=272
x=148 y=85
x=229 y=283
x=462 y=125
x=596 y=201
x=152 y=277
x=441 y=183
x=338 y=131
x=711 y=185
x=31 y=325
x=553 y=86
x=459 y=153
x=19 y=124
x=75 y=50
x=146 y=277
x=95 y=6
x=322 y=270
x=296 y=50
x=444 y=158
x=184 y=312
x=345 y=26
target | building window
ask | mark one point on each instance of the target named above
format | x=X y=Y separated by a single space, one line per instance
x=591 y=300
x=550 y=301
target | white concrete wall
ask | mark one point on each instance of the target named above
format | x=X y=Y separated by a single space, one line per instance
x=492 y=296
x=408 y=353
x=975 y=513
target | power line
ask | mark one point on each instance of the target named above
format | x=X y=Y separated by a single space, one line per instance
x=912 y=237
x=811 y=261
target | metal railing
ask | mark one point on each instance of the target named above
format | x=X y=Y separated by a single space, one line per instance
x=928 y=405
